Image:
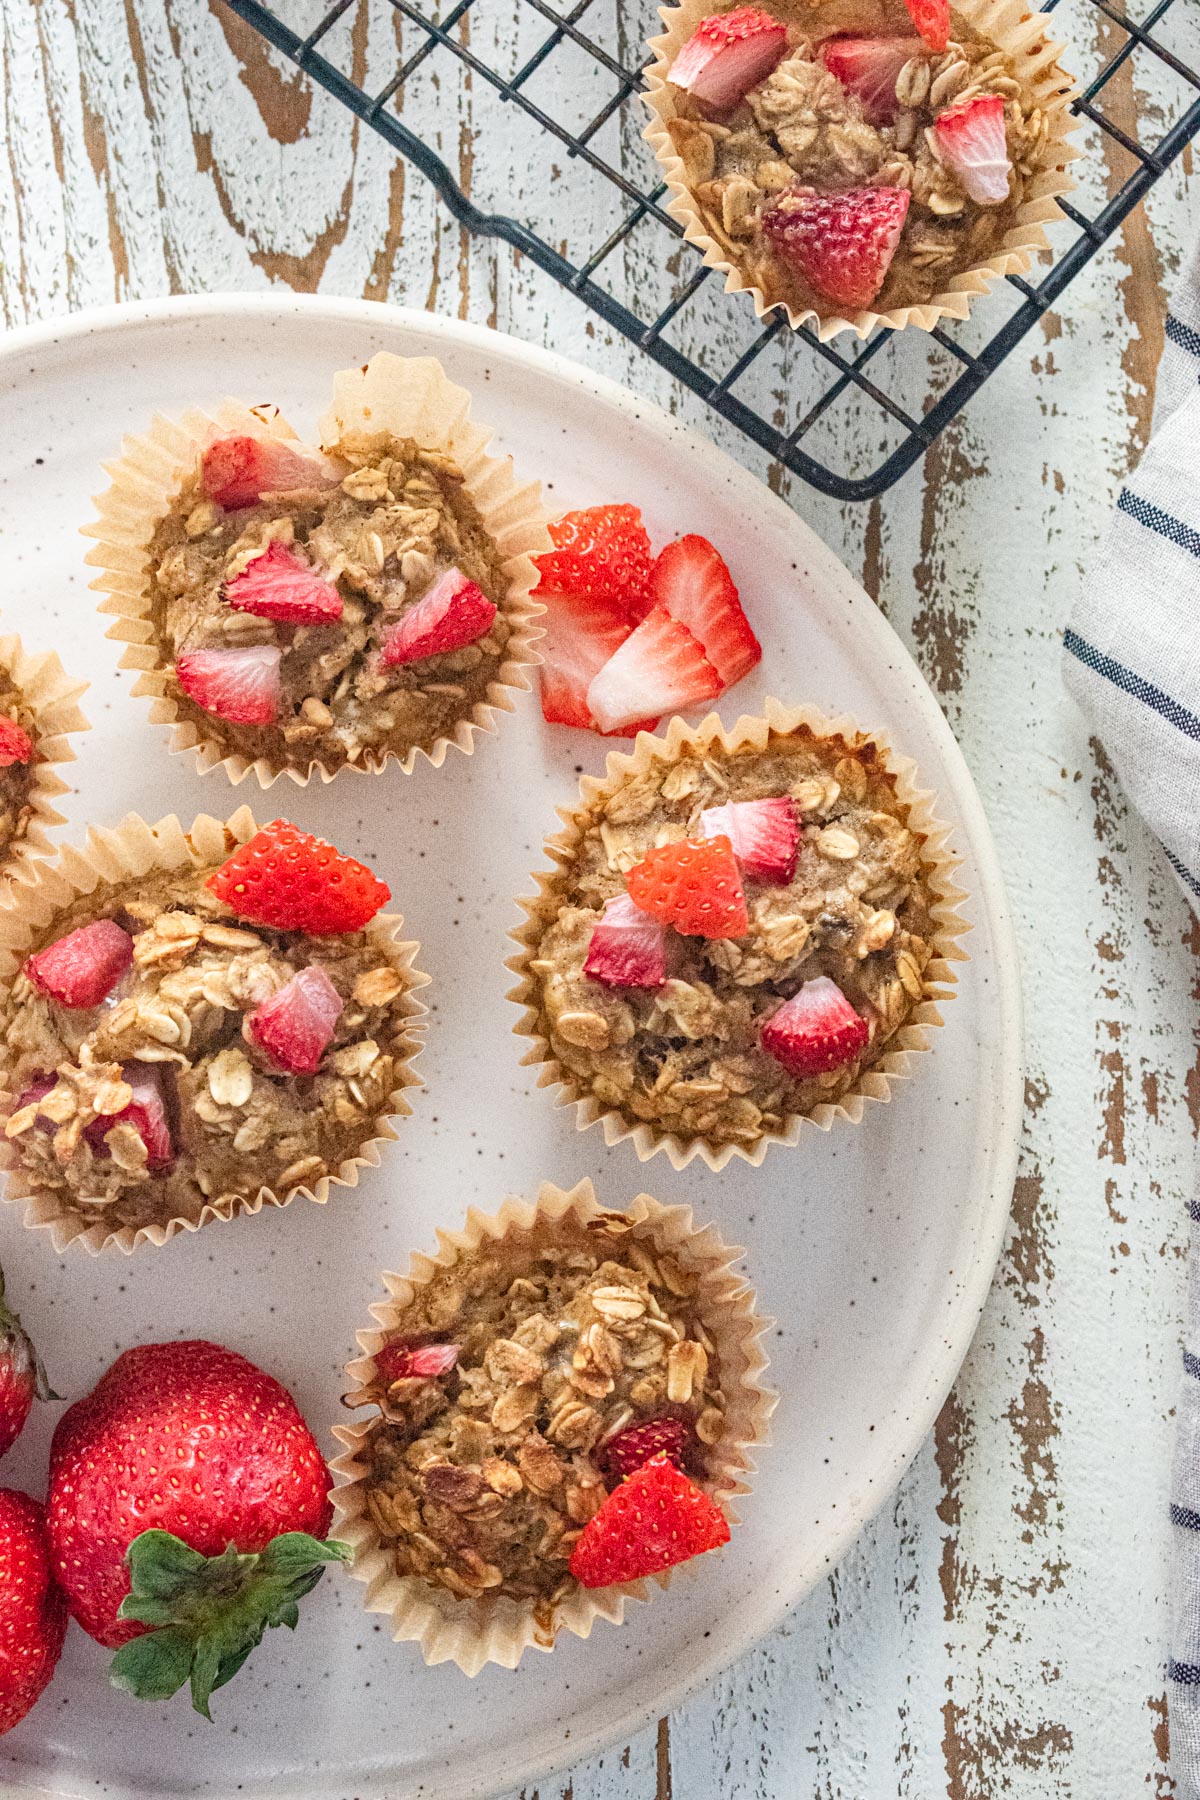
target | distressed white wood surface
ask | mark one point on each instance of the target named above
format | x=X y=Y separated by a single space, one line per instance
x=1000 y=1630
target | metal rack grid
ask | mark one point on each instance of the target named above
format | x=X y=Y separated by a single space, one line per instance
x=786 y=420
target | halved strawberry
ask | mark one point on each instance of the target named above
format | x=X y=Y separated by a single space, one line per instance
x=238 y=471
x=694 y=886
x=600 y=551
x=691 y=580
x=727 y=55
x=651 y=1522
x=16 y=745
x=627 y=947
x=817 y=1029
x=660 y=668
x=242 y=686
x=867 y=67
x=146 y=1112
x=81 y=969
x=296 y=882
x=582 y=632
x=841 y=244
x=281 y=584
x=932 y=20
x=453 y=614
x=633 y=1448
x=296 y=1025
x=971 y=142
x=764 y=833
x=405 y=1359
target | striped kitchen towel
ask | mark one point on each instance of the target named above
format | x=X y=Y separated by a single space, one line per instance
x=1133 y=664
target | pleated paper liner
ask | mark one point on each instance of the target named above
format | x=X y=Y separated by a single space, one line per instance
x=1008 y=24
x=496 y=1628
x=129 y=852
x=939 y=865
x=52 y=698
x=401 y=396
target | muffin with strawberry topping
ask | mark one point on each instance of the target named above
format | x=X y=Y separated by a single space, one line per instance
x=560 y=1405
x=863 y=159
x=38 y=711
x=741 y=932
x=198 y=1026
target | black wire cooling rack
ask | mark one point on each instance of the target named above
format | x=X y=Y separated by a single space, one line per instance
x=562 y=103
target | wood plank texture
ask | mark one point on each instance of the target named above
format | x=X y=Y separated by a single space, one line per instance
x=999 y=1631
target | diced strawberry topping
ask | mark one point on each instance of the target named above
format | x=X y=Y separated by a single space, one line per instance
x=817 y=1029
x=932 y=20
x=146 y=1112
x=601 y=551
x=403 y=1359
x=727 y=55
x=627 y=948
x=296 y=1025
x=286 y=878
x=694 y=886
x=16 y=745
x=241 y=686
x=841 y=244
x=660 y=668
x=972 y=143
x=40 y=1085
x=649 y=1523
x=281 y=584
x=582 y=632
x=633 y=1448
x=765 y=835
x=238 y=471
x=867 y=68
x=453 y=614
x=81 y=969
x=691 y=580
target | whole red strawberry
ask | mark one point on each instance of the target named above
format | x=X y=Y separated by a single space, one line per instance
x=187 y=1504
x=33 y=1612
x=21 y=1375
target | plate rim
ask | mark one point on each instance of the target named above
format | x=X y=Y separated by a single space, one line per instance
x=1004 y=1002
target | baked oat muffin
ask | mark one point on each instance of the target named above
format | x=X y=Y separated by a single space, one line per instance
x=18 y=763
x=735 y=936
x=186 y=1042
x=38 y=714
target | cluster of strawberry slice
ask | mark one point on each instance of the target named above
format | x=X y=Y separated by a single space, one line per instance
x=631 y=636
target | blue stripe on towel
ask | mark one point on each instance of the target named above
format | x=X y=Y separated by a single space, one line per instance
x=1191 y=1363
x=1186 y=1674
x=1183 y=1515
x=1125 y=679
x=1194 y=1210
x=1183 y=335
x=1155 y=519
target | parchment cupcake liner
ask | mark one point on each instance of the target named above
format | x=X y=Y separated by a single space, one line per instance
x=130 y=851
x=51 y=696
x=940 y=864
x=1011 y=26
x=403 y=396
x=497 y=1629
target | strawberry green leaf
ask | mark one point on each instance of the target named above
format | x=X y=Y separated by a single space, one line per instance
x=155 y=1666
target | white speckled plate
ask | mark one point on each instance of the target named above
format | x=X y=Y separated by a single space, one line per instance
x=874 y=1247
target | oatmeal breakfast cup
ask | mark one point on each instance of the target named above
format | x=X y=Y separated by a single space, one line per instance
x=562 y=1403
x=39 y=712
x=861 y=162
x=293 y=609
x=744 y=930
x=197 y=1025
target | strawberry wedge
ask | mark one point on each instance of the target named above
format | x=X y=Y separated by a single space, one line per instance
x=867 y=68
x=238 y=471
x=453 y=614
x=81 y=969
x=764 y=834
x=146 y=1112
x=660 y=668
x=627 y=948
x=242 y=686
x=816 y=1030
x=16 y=745
x=582 y=632
x=296 y=1025
x=280 y=584
x=727 y=55
x=405 y=1359
x=841 y=244
x=971 y=142
x=932 y=20
x=691 y=582
x=601 y=551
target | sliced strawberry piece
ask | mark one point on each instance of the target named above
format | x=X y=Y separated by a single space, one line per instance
x=404 y=1359
x=765 y=835
x=867 y=68
x=601 y=551
x=39 y=1086
x=694 y=886
x=932 y=20
x=627 y=947
x=286 y=878
x=660 y=668
x=841 y=244
x=241 y=686
x=238 y=471
x=651 y=1522
x=634 y=1447
x=727 y=55
x=691 y=580
x=281 y=584
x=146 y=1112
x=453 y=614
x=582 y=632
x=16 y=745
x=81 y=969
x=817 y=1029
x=971 y=142
x=296 y=1025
